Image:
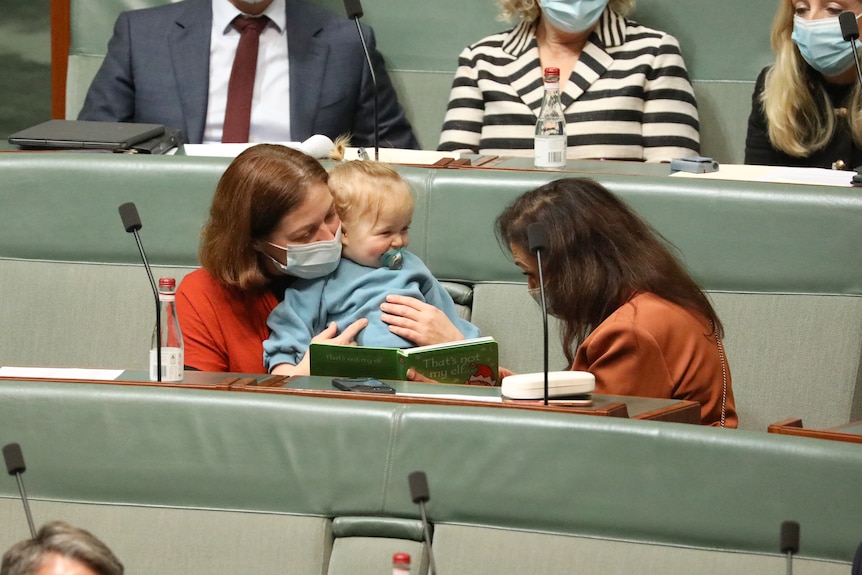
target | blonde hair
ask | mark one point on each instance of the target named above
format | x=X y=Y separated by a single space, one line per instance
x=528 y=10
x=800 y=115
x=364 y=189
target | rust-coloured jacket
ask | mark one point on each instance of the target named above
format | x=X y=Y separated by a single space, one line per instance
x=650 y=347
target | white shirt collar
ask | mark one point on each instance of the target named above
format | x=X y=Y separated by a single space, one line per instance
x=224 y=12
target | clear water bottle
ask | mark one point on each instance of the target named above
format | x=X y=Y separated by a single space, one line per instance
x=401 y=564
x=550 y=141
x=170 y=340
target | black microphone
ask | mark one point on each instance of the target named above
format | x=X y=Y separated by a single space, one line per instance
x=850 y=31
x=354 y=12
x=15 y=466
x=789 y=542
x=537 y=237
x=132 y=223
x=856 y=568
x=419 y=492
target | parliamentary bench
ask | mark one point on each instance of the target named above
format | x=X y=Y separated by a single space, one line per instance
x=182 y=481
x=780 y=262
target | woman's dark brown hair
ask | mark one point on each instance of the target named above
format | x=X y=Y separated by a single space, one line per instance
x=261 y=186
x=600 y=253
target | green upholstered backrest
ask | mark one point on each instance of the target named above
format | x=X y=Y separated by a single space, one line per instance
x=120 y=457
x=778 y=261
x=422 y=60
x=733 y=236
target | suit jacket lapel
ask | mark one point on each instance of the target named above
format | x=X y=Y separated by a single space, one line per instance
x=526 y=75
x=595 y=59
x=591 y=65
x=308 y=56
x=189 y=40
x=524 y=70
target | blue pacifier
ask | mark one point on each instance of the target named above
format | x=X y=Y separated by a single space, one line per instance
x=392 y=259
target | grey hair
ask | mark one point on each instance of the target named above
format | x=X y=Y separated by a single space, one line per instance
x=59 y=538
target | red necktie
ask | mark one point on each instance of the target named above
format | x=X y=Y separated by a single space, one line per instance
x=237 y=116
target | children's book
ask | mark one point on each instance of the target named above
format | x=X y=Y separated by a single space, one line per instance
x=468 y=361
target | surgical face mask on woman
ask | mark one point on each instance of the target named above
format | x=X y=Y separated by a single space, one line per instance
x=536 y=294
x=310 y=261
x=573 y=16
x=822 y=44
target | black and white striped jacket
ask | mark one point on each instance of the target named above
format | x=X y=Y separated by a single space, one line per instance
x=628 y=98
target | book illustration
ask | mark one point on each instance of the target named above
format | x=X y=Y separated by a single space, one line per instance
x=470 y=361
x=483 y=375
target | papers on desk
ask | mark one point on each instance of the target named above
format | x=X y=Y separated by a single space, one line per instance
x=320 y=147
x=317 y=146
x=60 y=373
x=775 y=174
x=400 y=156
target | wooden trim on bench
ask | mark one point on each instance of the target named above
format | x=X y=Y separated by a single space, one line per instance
x=793 y=426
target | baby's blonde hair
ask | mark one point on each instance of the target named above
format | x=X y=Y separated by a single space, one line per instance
x=364 y=189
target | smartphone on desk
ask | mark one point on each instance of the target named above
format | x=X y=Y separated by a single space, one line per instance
x=366 y=384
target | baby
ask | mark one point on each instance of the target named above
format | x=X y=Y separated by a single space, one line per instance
x=375 y=207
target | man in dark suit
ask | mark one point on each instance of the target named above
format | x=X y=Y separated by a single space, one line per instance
x=158 y=70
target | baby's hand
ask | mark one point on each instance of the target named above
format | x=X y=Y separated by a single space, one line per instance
x=346 y=337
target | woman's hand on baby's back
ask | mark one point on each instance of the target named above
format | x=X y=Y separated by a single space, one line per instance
x=417 y=321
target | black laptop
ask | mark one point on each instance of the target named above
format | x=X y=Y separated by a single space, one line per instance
x=80 y=134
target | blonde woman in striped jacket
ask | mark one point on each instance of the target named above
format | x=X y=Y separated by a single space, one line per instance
x=625 y=88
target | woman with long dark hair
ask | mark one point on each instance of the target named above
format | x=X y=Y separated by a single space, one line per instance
x=631 y=314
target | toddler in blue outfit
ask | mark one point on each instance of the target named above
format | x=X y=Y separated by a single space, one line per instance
x=375 y=207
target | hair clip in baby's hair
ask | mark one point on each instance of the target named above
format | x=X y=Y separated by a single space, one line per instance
x=392 y=259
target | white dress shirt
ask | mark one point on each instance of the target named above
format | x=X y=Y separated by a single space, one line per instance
x=270 y=104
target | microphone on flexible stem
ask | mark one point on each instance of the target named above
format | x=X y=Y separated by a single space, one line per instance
x=850 y=31
x=419 y=493
x=537 y=236
x=15 y=466
x=132 y=223
x=354 y=12
x=789 y=542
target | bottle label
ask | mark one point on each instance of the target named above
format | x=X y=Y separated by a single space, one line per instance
x=172 y=364
x=550 y=151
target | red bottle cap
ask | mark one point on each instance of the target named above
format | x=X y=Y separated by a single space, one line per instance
x=552 y=71
x=167 y=283
x=401 y=559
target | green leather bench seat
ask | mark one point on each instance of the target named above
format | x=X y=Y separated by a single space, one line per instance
x=780 y=262
x=199 y=481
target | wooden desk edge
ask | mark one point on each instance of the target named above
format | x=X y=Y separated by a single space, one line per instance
x=682 y=412
x=793 y=426
x=615 y=409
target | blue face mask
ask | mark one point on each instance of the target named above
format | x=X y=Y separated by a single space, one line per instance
x=822 y=45
x=310 y=261
x=573 y=16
